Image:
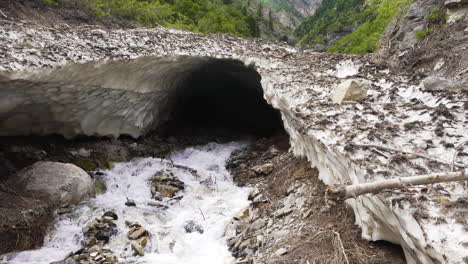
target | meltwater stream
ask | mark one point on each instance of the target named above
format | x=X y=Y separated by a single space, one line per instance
x=210 y=199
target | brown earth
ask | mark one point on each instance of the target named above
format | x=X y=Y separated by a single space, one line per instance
x=24 y=220
x=327 y=233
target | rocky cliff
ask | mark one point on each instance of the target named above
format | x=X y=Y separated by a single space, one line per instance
x=279 y=19
x=431 y=38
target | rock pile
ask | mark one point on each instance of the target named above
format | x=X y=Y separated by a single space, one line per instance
x=164 y=184
x=138 y=237
x=97 y=233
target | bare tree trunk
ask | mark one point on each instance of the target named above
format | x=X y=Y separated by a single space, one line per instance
x=353 y=191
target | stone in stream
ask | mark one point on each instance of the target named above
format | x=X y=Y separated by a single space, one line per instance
x=130 y=202
x=137 y=249
x=164 y=184
x=136 y=233
x=191 y=227
x=105 y=234
x=98 y=232
x=111 y=214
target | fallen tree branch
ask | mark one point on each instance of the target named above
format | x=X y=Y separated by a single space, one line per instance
x=411 y=153
x=355 y=190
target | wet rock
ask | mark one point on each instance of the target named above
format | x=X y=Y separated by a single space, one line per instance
x=136 y=233
x=130 y=202
x=137 y=249
x=264 y=169
x=65 y=183
x=143 y=241
x=111 y=214
x=350 y=90
x=165 y=185
x=191 y=227
x=97 y=232
x=105 y=233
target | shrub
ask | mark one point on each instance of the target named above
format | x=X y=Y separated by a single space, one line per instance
x=422 y=34
x=434 y=15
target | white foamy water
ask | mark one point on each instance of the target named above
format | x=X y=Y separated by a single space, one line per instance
x=210 y=199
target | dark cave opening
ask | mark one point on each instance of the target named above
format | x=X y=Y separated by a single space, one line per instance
x=222 y=96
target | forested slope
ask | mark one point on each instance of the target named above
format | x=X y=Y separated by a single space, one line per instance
x=350 y=26
x=203 y=16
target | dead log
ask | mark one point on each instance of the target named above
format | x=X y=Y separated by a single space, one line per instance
x=352 y=191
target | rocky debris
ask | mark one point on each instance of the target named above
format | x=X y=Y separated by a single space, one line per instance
x=264 y=169
x=136 y=232
x=353 y=90
x=137 y=249
x=191 y=226
x=293 y=211
x=100 y=229
x=66 y=184
x=138 y=237
x=111 y=215
x=97 y=234
x=164 y=184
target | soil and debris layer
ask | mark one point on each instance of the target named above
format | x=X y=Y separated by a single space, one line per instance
x=289 y=220
x=399 y=129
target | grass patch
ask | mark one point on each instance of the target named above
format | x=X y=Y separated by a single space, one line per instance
x=420 y=35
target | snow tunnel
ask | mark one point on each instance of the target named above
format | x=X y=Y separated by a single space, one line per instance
x=133 y=97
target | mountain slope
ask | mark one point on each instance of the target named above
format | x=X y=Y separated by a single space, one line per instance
x=349 y=26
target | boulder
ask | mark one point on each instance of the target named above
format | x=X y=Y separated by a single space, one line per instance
x=65 y=183
x=350 y=90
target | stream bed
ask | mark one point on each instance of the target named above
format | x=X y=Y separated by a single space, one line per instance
x=207 y=203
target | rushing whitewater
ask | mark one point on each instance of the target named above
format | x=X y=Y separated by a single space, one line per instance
x=210 y=199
